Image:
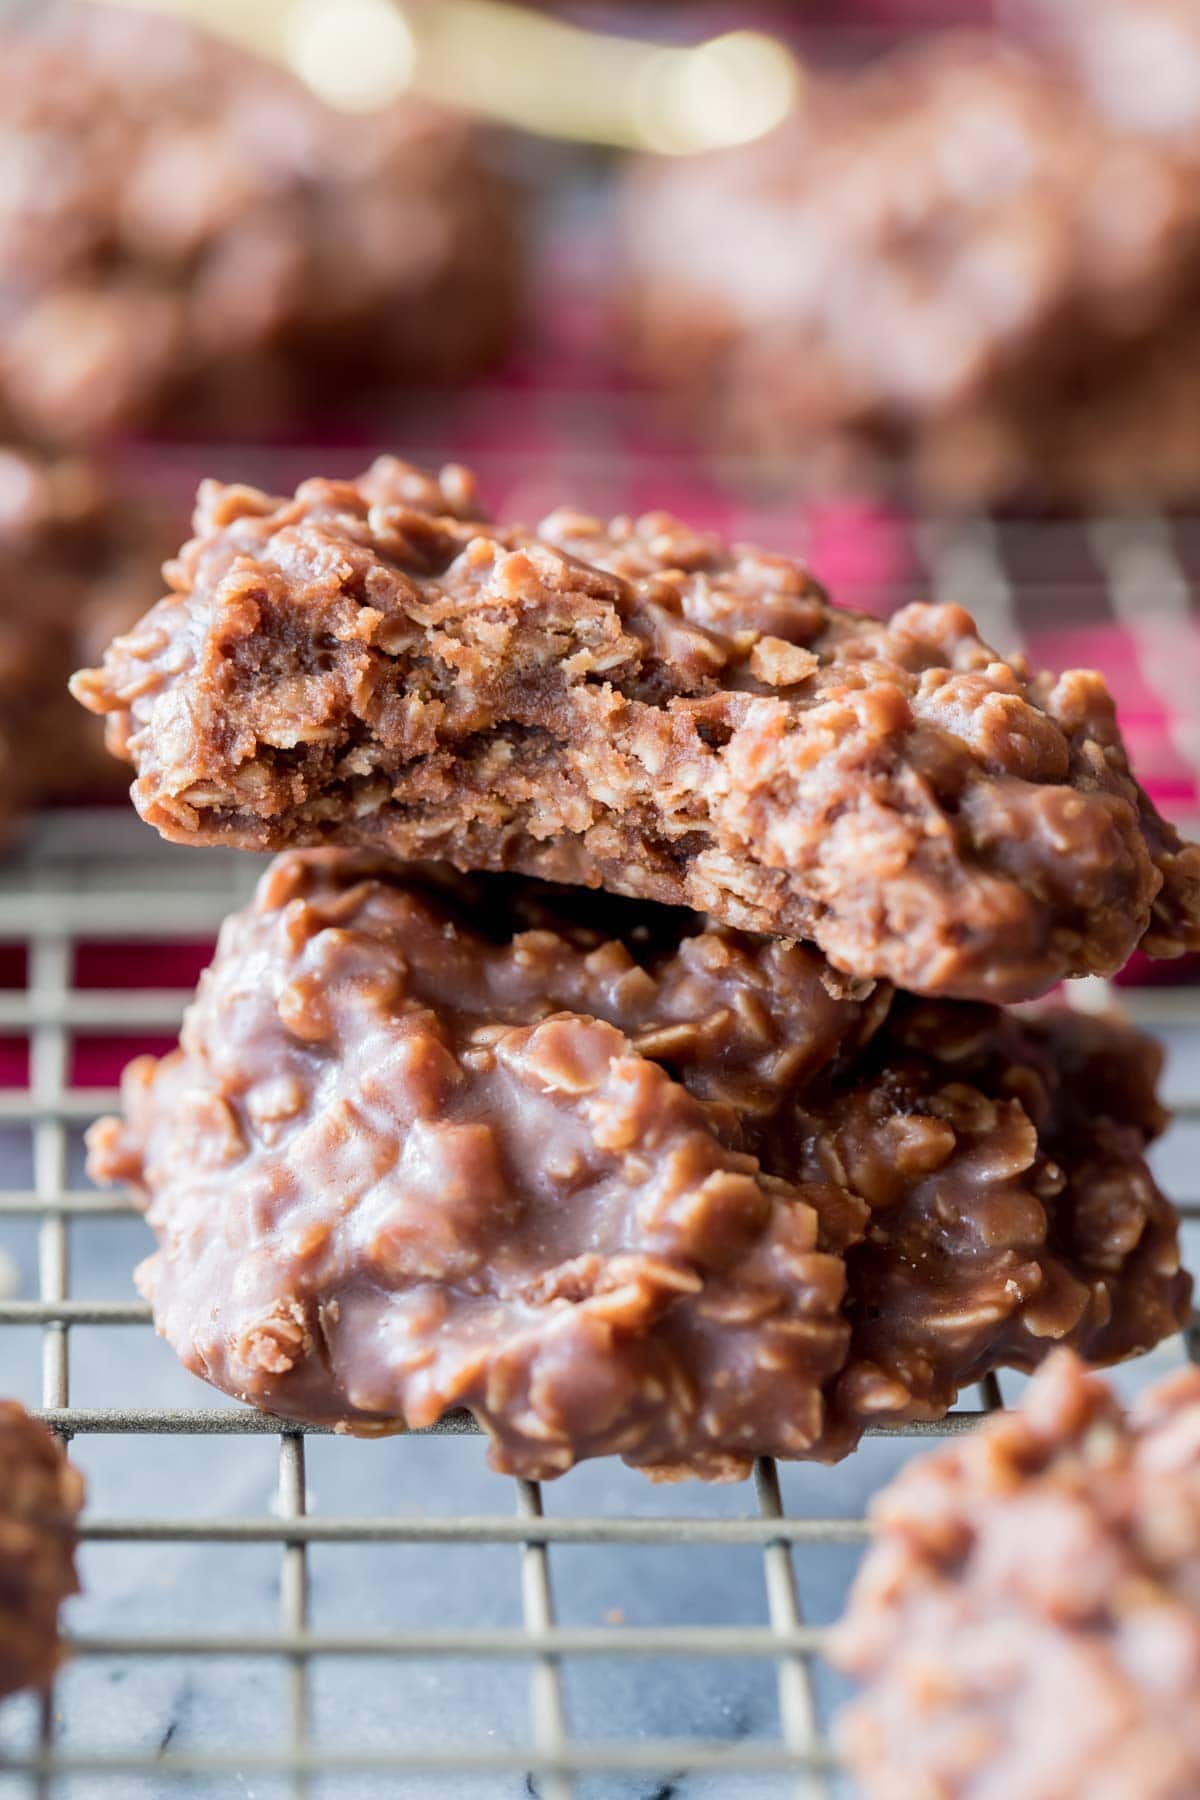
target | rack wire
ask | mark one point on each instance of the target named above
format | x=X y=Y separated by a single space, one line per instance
x=66 y=891
x=92 y=878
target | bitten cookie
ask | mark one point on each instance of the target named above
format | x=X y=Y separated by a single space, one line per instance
x=638 y=706
x=1027 y=1620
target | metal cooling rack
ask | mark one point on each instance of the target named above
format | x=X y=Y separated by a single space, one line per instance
x=97 y=877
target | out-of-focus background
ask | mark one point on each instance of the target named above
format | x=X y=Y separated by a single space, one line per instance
x=910 y=291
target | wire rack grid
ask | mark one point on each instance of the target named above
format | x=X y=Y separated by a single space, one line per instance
x=67 y=895
x=67 y=892
x=93 y=878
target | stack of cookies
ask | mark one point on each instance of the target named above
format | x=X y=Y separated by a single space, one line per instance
x=619 y=1048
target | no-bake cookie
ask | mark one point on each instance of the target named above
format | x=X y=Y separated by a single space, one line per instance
x=636 y=705
x=40 y=1499
x=950 y=270
x=620 y=1183
x=1028 y=1618
x=190 y=240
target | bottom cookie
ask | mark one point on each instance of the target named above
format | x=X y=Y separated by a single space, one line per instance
x=620 y=1184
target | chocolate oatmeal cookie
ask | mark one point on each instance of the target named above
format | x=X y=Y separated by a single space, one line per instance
x=1027 y=1620
x=40 y=1499
x=190 y=240
x=951 y=271
x=636 y=705
x=619 y=1182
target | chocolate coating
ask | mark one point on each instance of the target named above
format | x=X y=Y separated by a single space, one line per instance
x=77 y=559
x=1003 y=1161
x=1027 y=1620
x=637 y=706
x=190 y=239
x=685 y=1198
x=40 y=1498
x=949 y=270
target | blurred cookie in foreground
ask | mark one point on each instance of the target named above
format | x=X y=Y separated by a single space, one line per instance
x=1027 y=1620
x=620 y=1182
x=41 y=1495
x=78 y=560
x=948 y=273
x=190 y=240
x=1138 y=60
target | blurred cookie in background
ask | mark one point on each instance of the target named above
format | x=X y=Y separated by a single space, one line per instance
x=41 y=1495
x=191 y=240
x=1138 y=60
x=78 y=561
x=948 y=270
